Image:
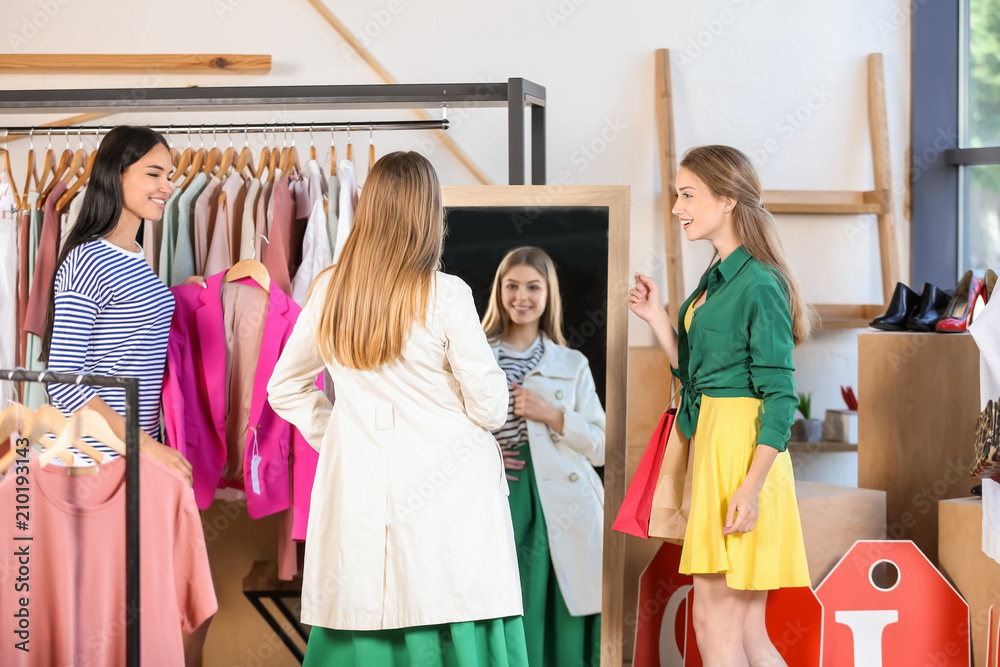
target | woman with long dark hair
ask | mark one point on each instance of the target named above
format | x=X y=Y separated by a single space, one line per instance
x=108 y=313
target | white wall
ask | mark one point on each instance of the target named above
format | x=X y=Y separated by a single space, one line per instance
x=740 y=68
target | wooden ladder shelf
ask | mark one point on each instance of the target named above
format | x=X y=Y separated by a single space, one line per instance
x=877 y=201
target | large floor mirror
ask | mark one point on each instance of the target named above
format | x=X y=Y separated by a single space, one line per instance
x=585 y=231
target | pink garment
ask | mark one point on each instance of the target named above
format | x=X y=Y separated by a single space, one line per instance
x=45 y=264
x=280 y=235
x=194 y=404
x=228 y=211
x=261 y=220
x=75 y=562
x=204 y=222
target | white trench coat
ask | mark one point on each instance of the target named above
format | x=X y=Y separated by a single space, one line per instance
x=409 y=520
x=569 y=488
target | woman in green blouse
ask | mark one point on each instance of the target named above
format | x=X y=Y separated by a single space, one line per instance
x=733 y=356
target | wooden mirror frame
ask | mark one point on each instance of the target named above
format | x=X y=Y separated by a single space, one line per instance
x=617 y=200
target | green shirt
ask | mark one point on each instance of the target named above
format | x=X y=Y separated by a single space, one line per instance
x=740 y=344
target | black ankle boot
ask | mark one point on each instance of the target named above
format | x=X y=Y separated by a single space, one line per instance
x=904 y=302
x=932 y=307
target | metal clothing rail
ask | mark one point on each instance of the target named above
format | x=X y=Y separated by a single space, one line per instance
x=515 y=94
x=131 y=386
x=236 y=128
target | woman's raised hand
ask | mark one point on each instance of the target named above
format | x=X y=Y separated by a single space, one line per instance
x=644 y=298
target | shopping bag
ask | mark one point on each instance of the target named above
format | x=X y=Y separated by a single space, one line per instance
x=672 y=498
x=633 y=517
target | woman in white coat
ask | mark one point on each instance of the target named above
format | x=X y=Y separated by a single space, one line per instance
x=410 y=554
x=552 y=439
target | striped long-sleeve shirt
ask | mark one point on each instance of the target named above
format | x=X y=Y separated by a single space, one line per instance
x=112 y=317
x=516 y=364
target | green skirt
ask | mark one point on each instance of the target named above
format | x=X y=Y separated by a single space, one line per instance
x=554 y=637
x=491 y=643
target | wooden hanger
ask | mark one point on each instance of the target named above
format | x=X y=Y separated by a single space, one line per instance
x=84 y=423
x=272 y=165
x=350 y=148
x=250 y=268
x=371 y=147
x=245 y=160
x=80 y=182
x=14 y=418
x=47 y=420
x=265 y=156
x=333 y=157
x=32 y=174
x=10 y=174
x=57 y=175
x=211 y=161
x=183 y=161
x=196 y=162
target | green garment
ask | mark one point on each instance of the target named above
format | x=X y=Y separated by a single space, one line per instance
x=554 y=637
x=740 y=344
x=490 y=643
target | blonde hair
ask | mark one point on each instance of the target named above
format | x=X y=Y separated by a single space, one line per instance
x=729 y=173
x=381 y=284
x=496 y=320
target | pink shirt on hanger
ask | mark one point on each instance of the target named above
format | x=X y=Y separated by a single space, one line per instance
x=75 y=564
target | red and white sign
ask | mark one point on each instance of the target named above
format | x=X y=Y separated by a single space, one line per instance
x=919 y=621
x=665 y=633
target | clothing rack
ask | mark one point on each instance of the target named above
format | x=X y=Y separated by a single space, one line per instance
x=236 y=128
x=131 y=386
x=515 y=94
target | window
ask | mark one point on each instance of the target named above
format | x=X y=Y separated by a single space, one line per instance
x=979 y=109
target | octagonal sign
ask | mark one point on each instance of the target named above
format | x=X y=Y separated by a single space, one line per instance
x=872 y=620
x=665 y=633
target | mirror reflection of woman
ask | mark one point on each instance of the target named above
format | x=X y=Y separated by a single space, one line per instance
x=553 y=438
x=733 y=357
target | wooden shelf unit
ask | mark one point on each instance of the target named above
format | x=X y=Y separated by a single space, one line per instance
x=878 y=201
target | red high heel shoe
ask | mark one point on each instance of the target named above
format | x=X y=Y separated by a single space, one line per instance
x=958 y=314
x=989 y=282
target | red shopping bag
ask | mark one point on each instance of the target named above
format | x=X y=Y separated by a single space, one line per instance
x=633 y=517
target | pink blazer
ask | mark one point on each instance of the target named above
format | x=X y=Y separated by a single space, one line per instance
x=194 y=405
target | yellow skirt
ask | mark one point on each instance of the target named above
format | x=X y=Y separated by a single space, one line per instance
x=773 y=554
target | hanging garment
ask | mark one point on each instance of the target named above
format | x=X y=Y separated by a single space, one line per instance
x=195 y=401
x=112 y=317
x=245 y=240
x=45 y=264
x=229 y=209
x=303 y=208
x=34 y=392
x=184 y=263
x=333 y=210
x=316 y=253
x=204 y=222
x=168 y=246
x=23 y=282
x=276 y=259
x=263 y=206
x=984 y=331
x=152 y=237
x=77 y=567
x=409 y=523
x=349 y=193
x=8 y=285
x=72 y=215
